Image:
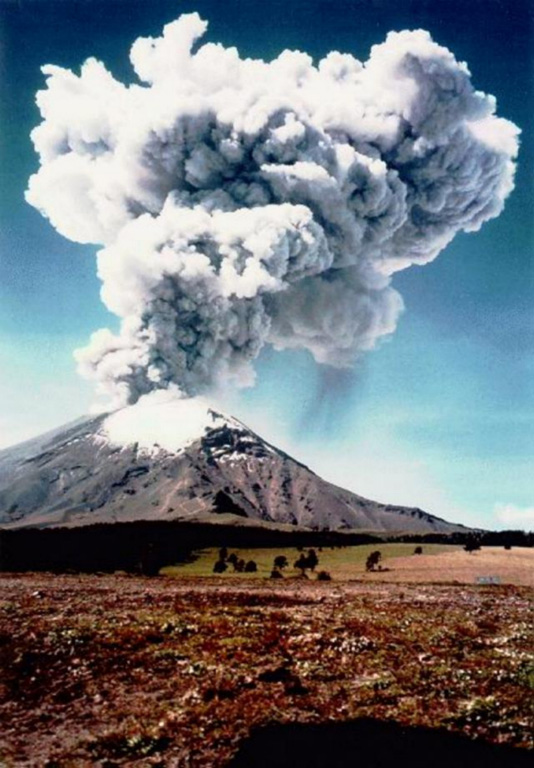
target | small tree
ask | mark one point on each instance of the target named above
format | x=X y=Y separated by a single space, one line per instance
x=232 y=559
x=223 y=553
x=472 y=545
x=239 y=567
x=301 y=564
x=219 y=567
x=280 y=561
x=312 y=559
x=418 y=551
x=373 y=560
x=251 y=567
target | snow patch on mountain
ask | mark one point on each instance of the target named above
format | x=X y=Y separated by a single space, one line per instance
x=162 y=420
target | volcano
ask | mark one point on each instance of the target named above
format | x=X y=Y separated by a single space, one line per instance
x=166 y=458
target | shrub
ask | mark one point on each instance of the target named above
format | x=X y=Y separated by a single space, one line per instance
x=472 y=545
x=219 y=567
x=418 y=551
x=372 y=561
x=324 y=576
x=280 y=561
x=251 y=567
x=276 y=574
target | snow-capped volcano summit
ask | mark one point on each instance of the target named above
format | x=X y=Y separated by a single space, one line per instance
x=170 y=458
x=163 y=421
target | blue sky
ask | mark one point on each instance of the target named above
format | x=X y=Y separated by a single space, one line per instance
x=441 y=415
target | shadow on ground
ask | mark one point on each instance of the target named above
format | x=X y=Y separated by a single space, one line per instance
x=366 y=743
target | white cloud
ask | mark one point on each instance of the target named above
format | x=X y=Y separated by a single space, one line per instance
x=243 y=202
x=515 y=516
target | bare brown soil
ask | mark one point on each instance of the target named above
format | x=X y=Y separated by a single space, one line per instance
x=117 y=670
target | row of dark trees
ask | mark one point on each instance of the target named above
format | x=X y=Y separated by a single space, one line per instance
x=306 y=561
x=239 y=565
x=146 y=546
x=507 y=539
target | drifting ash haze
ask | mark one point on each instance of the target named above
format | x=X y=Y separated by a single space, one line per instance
x=241 y=203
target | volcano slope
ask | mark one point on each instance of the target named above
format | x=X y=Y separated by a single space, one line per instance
x=179 y=460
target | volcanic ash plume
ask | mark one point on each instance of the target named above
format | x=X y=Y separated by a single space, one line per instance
x=242 y=203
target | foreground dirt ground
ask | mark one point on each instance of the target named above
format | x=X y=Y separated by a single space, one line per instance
x=117 y=670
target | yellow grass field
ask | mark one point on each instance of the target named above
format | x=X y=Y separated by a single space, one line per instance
x=438 y=563
x=515 y=566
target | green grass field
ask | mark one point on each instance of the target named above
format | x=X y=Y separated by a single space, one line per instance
x=342 y=563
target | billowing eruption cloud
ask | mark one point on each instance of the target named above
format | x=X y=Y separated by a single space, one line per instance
x=242 y=203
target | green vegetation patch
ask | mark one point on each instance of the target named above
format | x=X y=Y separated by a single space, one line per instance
x=342 y=563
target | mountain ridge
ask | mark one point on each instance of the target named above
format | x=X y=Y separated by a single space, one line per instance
x=82 y=474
